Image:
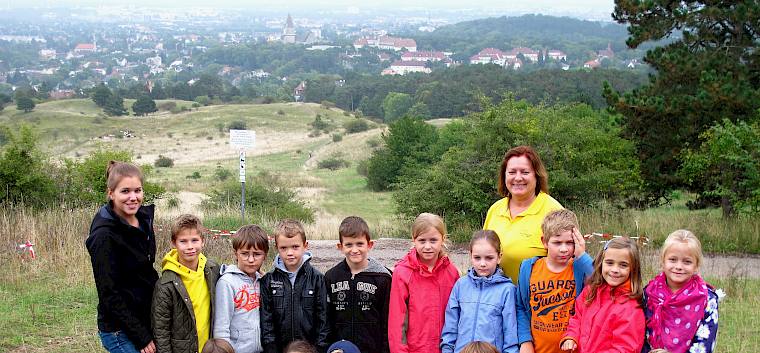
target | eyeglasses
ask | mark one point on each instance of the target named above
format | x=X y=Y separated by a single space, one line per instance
x=254 y=255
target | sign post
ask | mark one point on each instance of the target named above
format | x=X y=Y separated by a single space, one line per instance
x=242 y=140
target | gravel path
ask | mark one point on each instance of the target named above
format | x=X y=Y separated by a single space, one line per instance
x=389 y=250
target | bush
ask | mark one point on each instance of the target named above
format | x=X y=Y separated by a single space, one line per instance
x=22 y=171
x=356 y=125
x=337 y=137
x=361 y=168
x=202 y=100
x=374 y=142
x=222 y=174
x=265 y=196
x=333 y=163
x=195 y=105
x=196 y=175
x=280 y=112
x=163 y=162
x=236 y=125
x=327 y=105
x=168 y=106
x=319 y=124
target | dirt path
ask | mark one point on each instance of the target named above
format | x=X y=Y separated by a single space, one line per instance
x=389 y=250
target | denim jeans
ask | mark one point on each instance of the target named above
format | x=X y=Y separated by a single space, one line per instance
x=117 y=342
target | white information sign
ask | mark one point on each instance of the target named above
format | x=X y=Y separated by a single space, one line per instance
x=242 y=139
x=242 y=166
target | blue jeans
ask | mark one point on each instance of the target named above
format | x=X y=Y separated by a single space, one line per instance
x=117 y=342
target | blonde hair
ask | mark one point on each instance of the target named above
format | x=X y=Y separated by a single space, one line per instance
x=289 y=228
x=557 y=221
x=634 y=276
x=683 y=236
x=659 y=350
x=479 y=347
x=427 y=221
x=217 y=345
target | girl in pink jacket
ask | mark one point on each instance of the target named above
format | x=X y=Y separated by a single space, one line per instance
x=609 y=318
x=422 y=282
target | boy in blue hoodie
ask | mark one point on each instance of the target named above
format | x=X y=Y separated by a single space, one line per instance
x=238 y=292
x=294 y=296
x=549 y=285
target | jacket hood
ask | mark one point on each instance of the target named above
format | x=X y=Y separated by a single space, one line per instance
x=412 y=262
x=374 y=266
x=107 y=217
x=279 y=264
x=171 y=262
x=496 y=277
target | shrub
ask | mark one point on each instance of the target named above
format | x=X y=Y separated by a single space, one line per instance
x=337 y=137
x=172 y=202
x=195 y=105
x=265 y=194
x=327 y=105
x=356 y=125
x=332 y=163
x=374 y=142
x=222 y=174
x=280 y=112
x=202 y=100
x=22 y=170
x=163 y=162
x=361 y=168
x=319 y=124
x=236 y=125
x=168 y=106
x=196 y=175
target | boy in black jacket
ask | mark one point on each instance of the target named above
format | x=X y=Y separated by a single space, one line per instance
x=293 y=294
x=358 y=291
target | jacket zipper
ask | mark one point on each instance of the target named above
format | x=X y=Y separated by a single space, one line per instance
x=477 y=309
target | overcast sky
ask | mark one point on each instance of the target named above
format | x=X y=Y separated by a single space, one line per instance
x=535 y=5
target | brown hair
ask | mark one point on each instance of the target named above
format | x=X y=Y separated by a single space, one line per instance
x=488 y=235
x=289 y=228
x=217 y=345
x=557 y=221
x=479 y=347
x=353 y=227
x=186 y=221
x=634 y=276
x=300 y=346
x=683 y=236
x=427 y=221
x=251 y=236
x=542 y=178
x=115 y=171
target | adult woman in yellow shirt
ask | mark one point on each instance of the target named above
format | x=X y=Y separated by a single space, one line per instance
x=517 y=218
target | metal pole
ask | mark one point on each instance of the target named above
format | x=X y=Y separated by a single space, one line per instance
x=242 y=202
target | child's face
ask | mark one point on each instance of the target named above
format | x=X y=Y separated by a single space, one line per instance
x=291 y=251
x=189 y=244
x=428 y=245
x=560 y=248
x=127 y=196
x=484 y=258
x=249 y=260
x=616 y=266
x=356 y=250
x=679 y=264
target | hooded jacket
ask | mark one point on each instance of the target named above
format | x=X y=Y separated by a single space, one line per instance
x=583 y=267
x=122 y=259
x=174 y=320
x=481 y=309
x=611 y=323
x=295 y=311
x=358 y=305
x=418 y=303
x=237 y=310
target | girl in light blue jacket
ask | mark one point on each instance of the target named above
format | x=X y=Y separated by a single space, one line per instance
x=482 y=304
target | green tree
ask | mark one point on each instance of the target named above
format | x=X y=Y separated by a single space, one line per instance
x=25 y=103
x=708 y=71
x=115 y=106
x=144 y=105
x=727 y=166
x=22 y=171
x=396 y=105
x=419 y=110
x=101 y=95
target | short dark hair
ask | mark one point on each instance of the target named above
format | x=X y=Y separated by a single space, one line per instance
x=289 y=228
x=542 y=177
x=217 y=345
x=353 y=227
x=251 y=236
x=186 y=221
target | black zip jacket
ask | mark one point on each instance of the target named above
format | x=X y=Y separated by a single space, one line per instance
x=357 y=307
x=293 y=312
x=122 y=262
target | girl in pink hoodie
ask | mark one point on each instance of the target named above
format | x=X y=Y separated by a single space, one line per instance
x=421 y=285
x=608 y=314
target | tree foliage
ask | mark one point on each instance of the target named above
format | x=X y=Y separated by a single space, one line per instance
x=115 y=106
x=144 y=105
x=25 y=103
x=396 y=105
x=101 y=95
x=22 y=171
x=586 y=160
x=709 y=71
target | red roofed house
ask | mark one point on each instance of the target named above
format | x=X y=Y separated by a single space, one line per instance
x=361 y=43
x=556 y=55
x=528 y=53
x=592 y=64
x=387 y=42
x=298 y=92
x=83 y=48
x=606 y=53
x=423 y=56
x=489 y=55
x=405 y=67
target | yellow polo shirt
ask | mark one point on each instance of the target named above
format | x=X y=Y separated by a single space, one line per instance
x=520 y=236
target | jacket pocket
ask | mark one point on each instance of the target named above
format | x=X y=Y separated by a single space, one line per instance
x=278 y=298
x=182 y=346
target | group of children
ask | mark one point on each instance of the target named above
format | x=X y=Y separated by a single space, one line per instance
x=563 y=302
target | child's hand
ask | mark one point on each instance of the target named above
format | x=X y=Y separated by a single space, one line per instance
x=580 y=243
x=569 y=345
x=527 y=347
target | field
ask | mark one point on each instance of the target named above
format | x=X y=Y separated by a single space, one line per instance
x=48 y=304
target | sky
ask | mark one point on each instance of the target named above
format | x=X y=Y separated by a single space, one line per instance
x=535 y=5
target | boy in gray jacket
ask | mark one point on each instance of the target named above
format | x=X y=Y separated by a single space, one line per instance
x=238 y=294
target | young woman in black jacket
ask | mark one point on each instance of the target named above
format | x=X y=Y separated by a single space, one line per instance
x=122 y=248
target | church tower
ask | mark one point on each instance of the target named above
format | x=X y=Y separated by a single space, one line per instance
x=289 y=32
